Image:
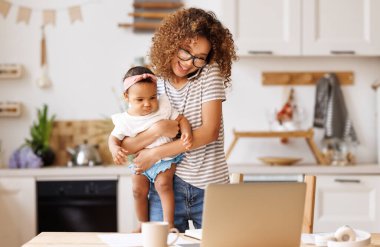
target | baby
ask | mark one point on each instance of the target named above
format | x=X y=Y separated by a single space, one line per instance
x=145 y=109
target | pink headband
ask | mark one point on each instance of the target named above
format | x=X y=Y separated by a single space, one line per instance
x=129 y=81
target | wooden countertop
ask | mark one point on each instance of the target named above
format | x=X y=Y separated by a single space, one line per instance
x=67 y=239
x=77 y=239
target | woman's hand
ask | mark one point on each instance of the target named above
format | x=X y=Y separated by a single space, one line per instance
x=145 y=159
x=168 y=128
x=187 y=140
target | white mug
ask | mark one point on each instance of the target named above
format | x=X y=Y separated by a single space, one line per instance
x=155 y=234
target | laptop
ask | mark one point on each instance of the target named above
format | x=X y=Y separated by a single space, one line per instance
x=265 y=214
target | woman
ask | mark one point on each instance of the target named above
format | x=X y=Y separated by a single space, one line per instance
x=192 y=53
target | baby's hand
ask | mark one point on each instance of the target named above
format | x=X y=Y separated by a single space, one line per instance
x=187 y=139
x=119 y=155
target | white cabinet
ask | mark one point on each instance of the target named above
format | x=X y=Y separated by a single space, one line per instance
x=304 y=27
x=341 y=27
x=347 y=200
x=126 y=220
x=264 y=27
x=17 y=211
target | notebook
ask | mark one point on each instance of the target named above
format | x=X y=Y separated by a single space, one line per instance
x=253 y=214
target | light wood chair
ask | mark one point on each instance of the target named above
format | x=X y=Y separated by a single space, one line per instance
x=236 y=178
x=308 y=216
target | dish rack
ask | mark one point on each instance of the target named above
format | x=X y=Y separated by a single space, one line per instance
x=307 y=134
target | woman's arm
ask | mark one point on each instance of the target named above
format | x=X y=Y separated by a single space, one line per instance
x=205 y=134
x=211 y=120
x=167 y=128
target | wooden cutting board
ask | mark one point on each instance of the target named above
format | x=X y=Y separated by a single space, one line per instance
x=72 y=133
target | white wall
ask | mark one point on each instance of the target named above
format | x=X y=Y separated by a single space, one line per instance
x=87 y=59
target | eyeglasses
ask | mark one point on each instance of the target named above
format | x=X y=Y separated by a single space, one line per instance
x=186 y=56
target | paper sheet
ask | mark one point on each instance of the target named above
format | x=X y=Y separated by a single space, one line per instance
x=132 y=239
x=308 y=238
x=194 y=233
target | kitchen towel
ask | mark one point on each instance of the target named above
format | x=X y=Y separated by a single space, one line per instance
x=330 y=111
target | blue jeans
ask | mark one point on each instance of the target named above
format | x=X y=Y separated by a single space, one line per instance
x=188 y=205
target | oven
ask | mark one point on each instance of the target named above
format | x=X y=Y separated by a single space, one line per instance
x=77 y=206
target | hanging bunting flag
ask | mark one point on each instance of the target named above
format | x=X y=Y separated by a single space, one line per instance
x=49 y=17
x=48 y=14
x=4 y=8
x=75 y=14
x=23 y=15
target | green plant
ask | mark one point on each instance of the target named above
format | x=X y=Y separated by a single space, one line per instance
x=40 y=133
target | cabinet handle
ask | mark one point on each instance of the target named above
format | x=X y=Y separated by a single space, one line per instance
x=341 y=180
x=342 y=52
x=260 y=52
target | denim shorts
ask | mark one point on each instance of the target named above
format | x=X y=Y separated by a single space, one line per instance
x=188 y=205
x=159 y=167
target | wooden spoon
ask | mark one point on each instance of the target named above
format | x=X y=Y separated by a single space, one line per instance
x=43 y=81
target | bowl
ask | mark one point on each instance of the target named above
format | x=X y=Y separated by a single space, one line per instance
x=280 y=161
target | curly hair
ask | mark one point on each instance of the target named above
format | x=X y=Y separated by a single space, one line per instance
x=186 y=24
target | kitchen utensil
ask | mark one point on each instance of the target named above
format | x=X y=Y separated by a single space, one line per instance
x=281 y=161
x=84 y=155
x=43 y=81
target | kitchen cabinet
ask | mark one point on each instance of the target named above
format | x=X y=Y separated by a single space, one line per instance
x=347 y=200
x=341 y=27
x=17 y=210
x=127 y=220
x=18 y=201
x=304 y=27
x=264 y=27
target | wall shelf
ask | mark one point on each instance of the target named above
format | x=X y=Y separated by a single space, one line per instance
x=303 y=78
x=307 y=134
x=158 y=5
x=140 y=25
x=10 y=109
x=11 y=71
x=147 y=16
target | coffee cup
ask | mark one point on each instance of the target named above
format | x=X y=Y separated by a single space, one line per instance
x=155 y=234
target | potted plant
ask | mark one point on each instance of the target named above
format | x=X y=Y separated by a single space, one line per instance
x=40 y=133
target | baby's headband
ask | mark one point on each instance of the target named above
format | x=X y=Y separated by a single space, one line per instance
x=129 y=81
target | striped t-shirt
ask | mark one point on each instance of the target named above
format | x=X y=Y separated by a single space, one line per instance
x=206 y=164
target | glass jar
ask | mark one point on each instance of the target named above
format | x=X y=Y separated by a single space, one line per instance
x=340 y=153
